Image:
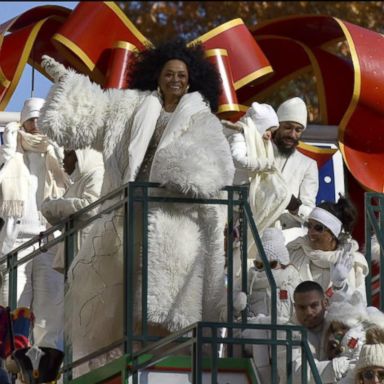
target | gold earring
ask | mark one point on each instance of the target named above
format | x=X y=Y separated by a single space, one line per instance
x=187 y=88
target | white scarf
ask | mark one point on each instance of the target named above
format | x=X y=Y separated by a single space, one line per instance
x=268 y=192
x=322 y=259
x=144 y=124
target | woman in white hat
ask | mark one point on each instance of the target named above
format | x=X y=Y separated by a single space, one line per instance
x=285 y=274
x=31 y=171
x=370 y=367
x=253 y=154
x=259 y=295
x=328 y=254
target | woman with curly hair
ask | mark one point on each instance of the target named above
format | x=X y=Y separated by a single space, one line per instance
x=328 y=254
x=161 y=130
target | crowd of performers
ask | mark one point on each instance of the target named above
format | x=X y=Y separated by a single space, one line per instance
x=83 y=142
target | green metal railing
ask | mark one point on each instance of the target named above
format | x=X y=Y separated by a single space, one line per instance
x=148 y=357
x=127 y=198
x=374 y=225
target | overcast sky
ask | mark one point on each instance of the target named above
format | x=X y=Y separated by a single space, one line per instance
x=8 y=10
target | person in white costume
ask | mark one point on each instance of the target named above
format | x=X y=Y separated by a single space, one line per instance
x=252 y=151
x=328 y=254
x=310 y=311
x=370 y=366
x=348 y=319
x=259 y=295
x=299 y=171
x=86 y=170
x=162 y=130
x=31 y=172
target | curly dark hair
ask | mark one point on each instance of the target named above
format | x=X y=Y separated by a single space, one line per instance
x=344 y=210
x=203 y=76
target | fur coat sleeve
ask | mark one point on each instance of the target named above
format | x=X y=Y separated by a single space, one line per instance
x=73 y=114
x=198 y=162
x=77 y=111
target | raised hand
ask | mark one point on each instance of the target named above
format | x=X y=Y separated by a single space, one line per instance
x=54 y=69
x=341 y=269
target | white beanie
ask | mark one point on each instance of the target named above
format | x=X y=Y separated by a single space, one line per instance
x=31 y=109
x=293 y=110
x=264 y=116
x=371 y=355
x=372 y=352
x=274 y=246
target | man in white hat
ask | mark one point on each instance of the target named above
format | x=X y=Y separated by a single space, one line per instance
x=299 y=171
x=30 y=171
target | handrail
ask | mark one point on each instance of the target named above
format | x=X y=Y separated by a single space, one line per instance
x=126 y=196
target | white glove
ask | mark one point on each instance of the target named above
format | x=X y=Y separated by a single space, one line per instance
x=239 y=148
x=341 y=269
x=239 y=301
x=10 y=134
x=340 y=366
x=54 y=69
x=12 y=127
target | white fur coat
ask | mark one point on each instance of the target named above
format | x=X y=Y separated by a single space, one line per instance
x=186 y=245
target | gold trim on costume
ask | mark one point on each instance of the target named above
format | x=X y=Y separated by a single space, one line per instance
x=123 y=17
x=216 y=31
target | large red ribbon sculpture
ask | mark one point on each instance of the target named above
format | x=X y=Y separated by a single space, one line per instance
x=98 y=39
x=350 y=89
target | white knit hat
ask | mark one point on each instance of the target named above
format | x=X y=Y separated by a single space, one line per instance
x=371 y=355
x=31 y=109
x=274 y=246
x=372 y=352
x=264 y=116
x=293 y=110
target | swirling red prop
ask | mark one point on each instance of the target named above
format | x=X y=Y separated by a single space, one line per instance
x=97 y=39
x=350 y=89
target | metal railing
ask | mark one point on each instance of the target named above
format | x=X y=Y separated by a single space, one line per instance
x=155 y=353
x=126 y=199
